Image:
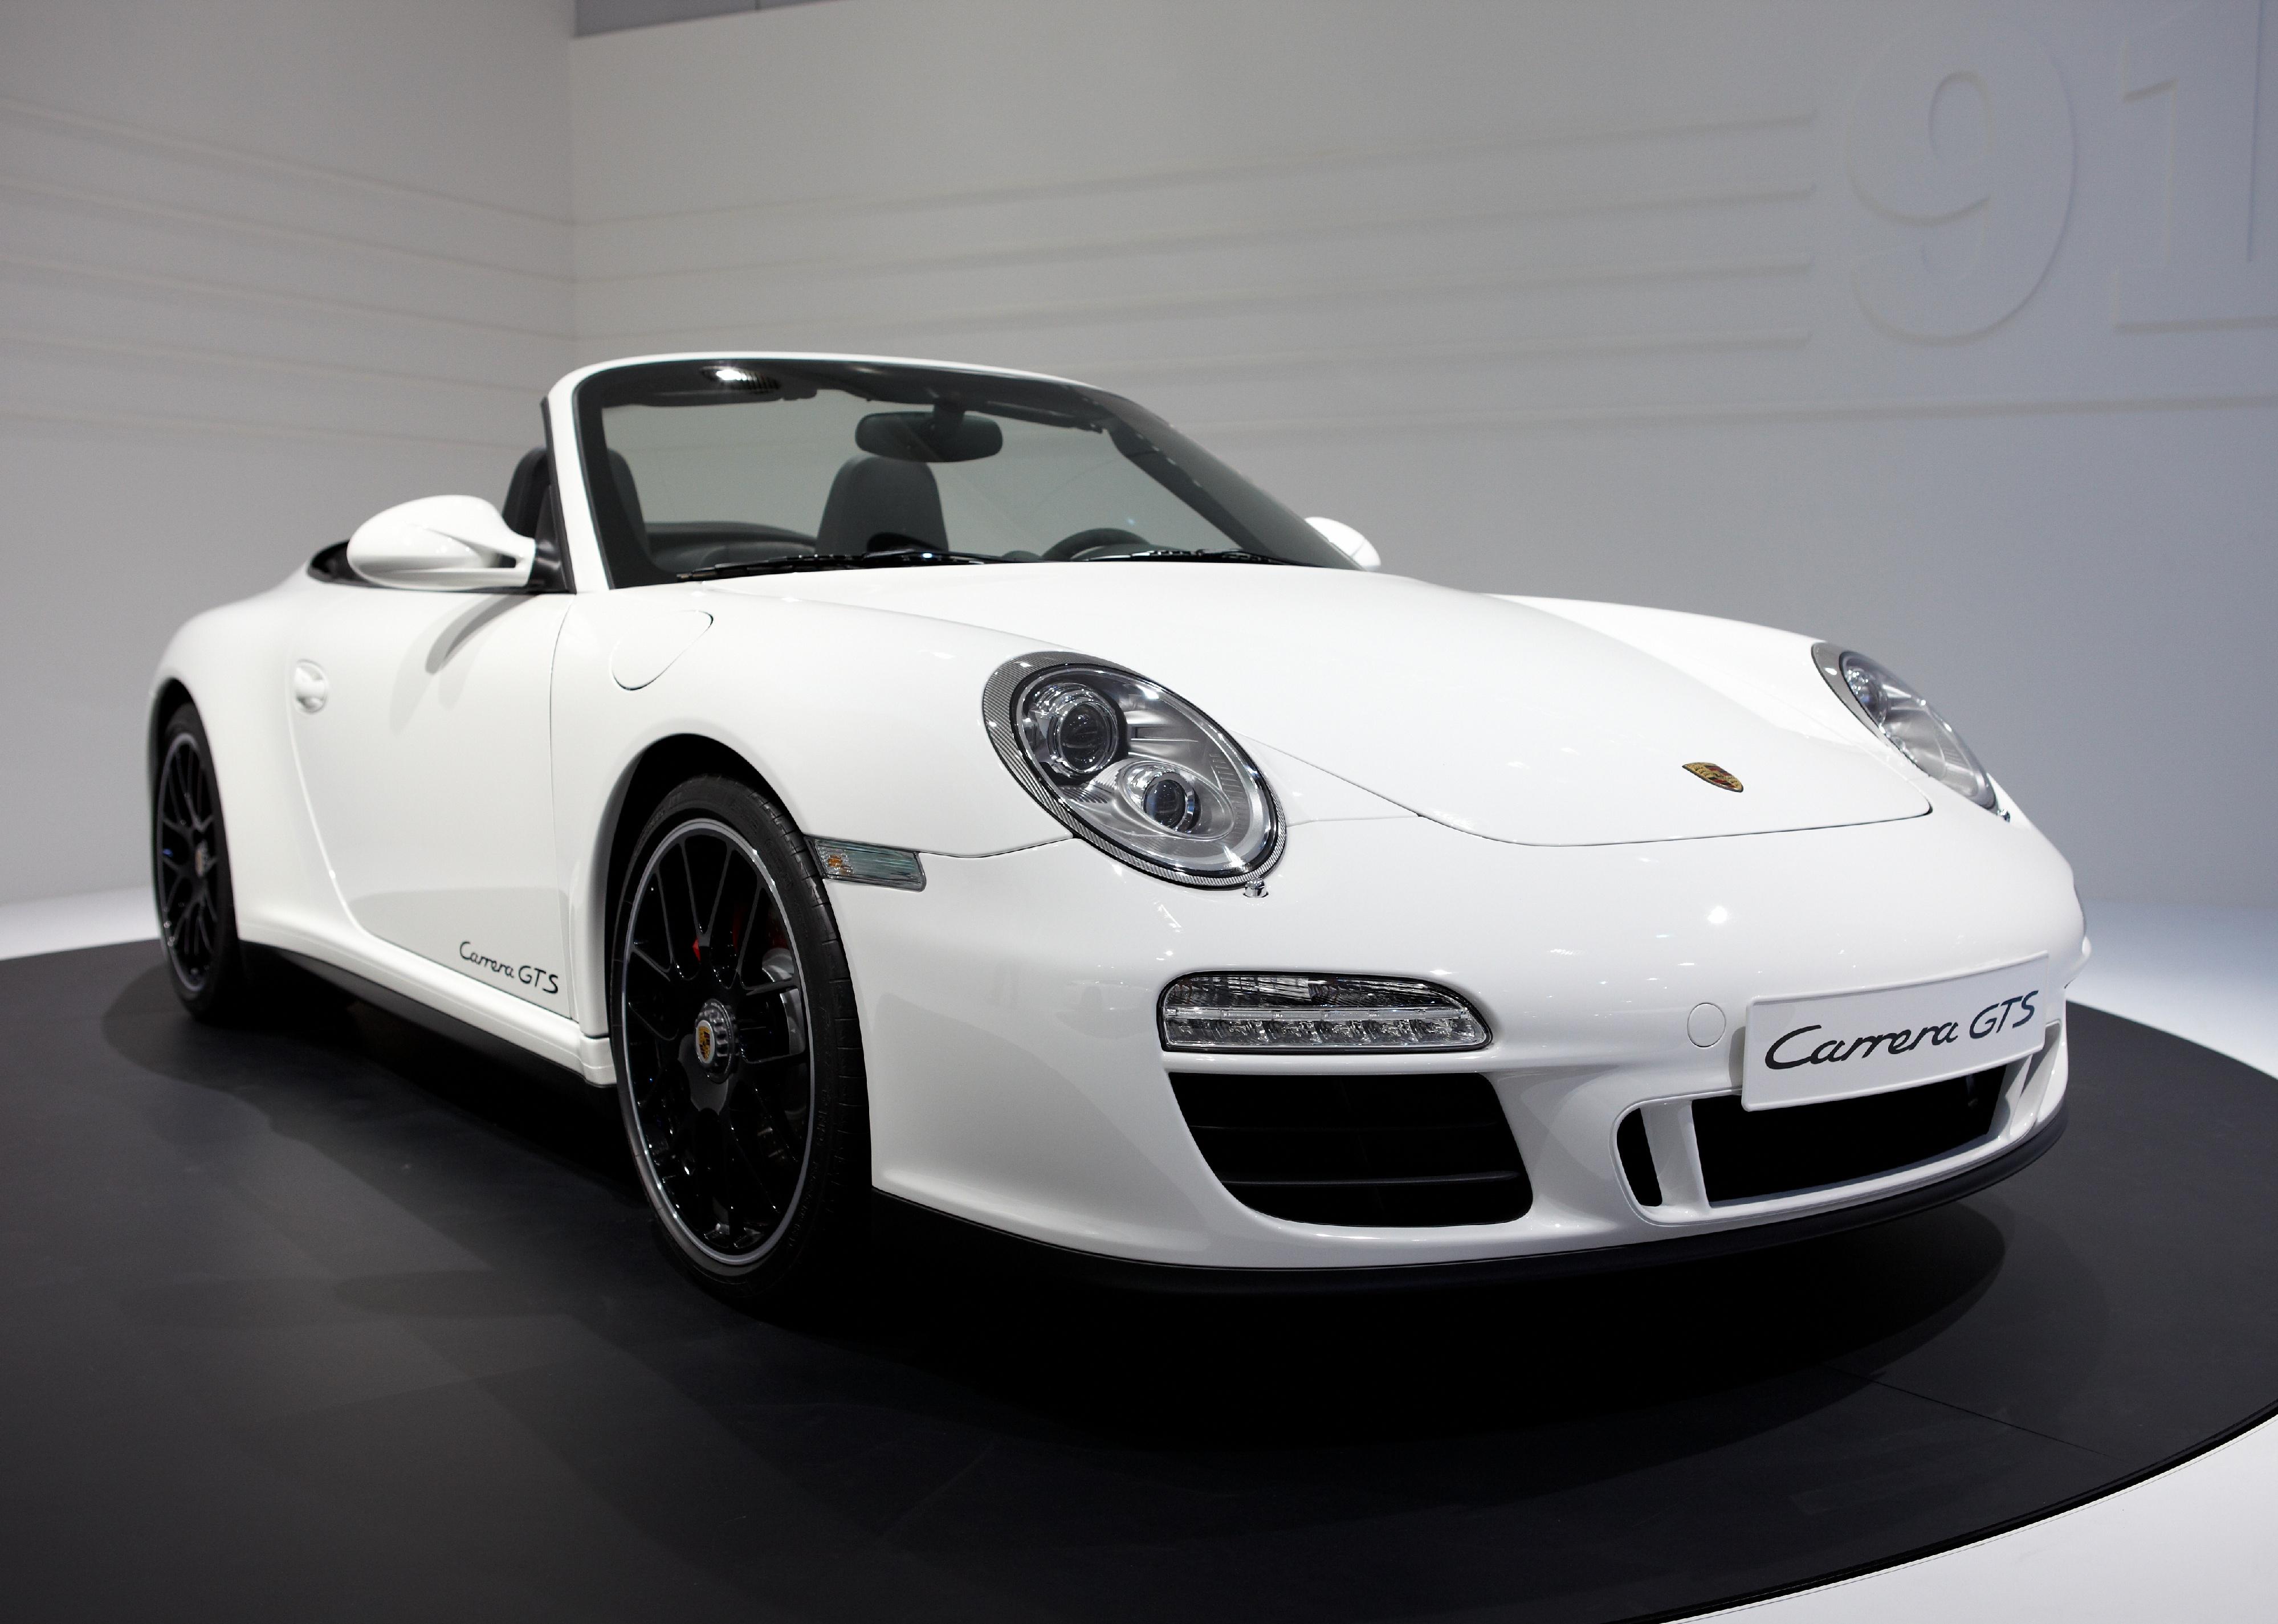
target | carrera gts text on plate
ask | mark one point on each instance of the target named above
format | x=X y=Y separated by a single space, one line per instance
x=1802 y=1050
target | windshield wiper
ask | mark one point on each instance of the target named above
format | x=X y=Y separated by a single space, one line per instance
x=1192 y=555
x=798 y=561
x=901 y=556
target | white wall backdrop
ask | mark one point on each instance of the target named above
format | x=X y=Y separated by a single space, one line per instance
x=1946 y=332
x=265 y=267
x=1934 y=330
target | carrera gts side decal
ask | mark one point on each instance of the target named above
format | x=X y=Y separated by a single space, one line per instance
x=536 y=979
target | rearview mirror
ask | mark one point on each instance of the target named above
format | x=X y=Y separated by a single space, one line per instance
x=1348 y=541
x=441 y=544
x=944 y=434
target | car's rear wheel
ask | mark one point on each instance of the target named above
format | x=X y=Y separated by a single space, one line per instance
x=738 y=1059
x=190 y=875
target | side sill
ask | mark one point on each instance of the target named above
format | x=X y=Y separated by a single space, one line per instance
x=904 y=1223
x=489 y=1045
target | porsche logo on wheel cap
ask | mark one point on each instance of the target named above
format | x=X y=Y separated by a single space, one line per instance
x=715 y=1035
x=1710 y=773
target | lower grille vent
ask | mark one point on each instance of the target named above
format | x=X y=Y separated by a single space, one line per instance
x=1749 y=1156
x=1636 y=1153
x=1402 y=1151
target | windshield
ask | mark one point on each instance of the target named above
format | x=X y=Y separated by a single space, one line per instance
x=752 y=466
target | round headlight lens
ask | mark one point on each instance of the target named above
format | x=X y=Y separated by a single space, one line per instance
x=1163 y=794
x=1072 y=730
x=1134 y=769
x=1911 y=722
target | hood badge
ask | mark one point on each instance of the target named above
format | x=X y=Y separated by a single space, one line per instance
x=1710 y=773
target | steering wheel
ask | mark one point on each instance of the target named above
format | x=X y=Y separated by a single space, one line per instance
x=1090 y=544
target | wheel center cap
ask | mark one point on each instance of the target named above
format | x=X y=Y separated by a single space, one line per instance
x=715 y=1035
x=201 y=860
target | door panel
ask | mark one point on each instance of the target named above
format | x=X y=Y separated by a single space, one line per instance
x=421 y=721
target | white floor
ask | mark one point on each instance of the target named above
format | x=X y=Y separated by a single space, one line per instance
x=2208 y=974
x=60 y=923
x=2195 y=1543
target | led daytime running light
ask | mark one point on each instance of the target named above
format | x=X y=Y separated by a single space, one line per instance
x=1238 y=1012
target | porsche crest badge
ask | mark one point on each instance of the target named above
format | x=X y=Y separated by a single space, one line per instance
x=1710 y=773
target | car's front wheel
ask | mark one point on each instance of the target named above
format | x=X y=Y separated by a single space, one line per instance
x=739 y=1063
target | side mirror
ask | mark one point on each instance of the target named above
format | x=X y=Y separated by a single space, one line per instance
x=1344 y=537
x=441 y=544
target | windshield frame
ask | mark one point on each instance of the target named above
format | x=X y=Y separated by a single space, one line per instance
x=1255 y=523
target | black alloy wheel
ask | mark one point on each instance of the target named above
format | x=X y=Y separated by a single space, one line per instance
x=190 y=873
x=738 y=1062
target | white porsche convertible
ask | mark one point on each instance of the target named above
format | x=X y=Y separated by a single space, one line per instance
x=934 y=790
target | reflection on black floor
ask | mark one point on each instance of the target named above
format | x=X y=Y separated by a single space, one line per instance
x=341 y=1320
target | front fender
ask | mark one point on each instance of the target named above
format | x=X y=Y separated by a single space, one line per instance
x=865 y=723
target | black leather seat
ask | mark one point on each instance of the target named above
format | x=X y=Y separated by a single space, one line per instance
x=533 y=509
x=621 y=477
x=527 y=491
x=873 y=498
x=624 y=528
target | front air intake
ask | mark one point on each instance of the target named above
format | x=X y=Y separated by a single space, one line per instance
x=1410 y=1151
x=1749 y=1156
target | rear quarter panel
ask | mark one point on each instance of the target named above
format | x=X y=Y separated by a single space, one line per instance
x=236 y=665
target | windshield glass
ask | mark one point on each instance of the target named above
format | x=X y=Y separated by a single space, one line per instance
x=752 y=466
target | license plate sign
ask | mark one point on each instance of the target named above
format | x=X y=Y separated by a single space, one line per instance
x=1801 y=1051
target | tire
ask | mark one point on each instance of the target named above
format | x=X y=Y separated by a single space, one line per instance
x=739 y=1062
x=190 y=876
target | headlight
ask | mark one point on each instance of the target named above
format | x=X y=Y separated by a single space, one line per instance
x=1332 y=1014
x=1909 y=721
x=1133 y=768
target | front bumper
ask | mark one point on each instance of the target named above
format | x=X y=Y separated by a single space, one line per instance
x=1017 y=1080
x=914 y=1227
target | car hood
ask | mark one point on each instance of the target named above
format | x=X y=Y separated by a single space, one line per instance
x=1481 y=713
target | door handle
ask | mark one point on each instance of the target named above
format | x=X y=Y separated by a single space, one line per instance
x=311 y=689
